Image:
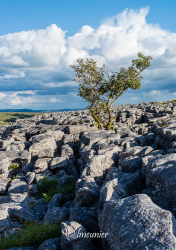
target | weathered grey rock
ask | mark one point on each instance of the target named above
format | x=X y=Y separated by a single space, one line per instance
x=138 y=157
x=4 y=210
x=64 y=180
x=55 y=201
x=16 y=146
x=43 y=147
x=67 y=151
x=163 y=179
x=22 y=215
x=4 y=164
x=59 y=163
x=39 y=208
x=33 y=189
x=40 y=165
x=72 y=237
x=87 y=196
x=141 y=140
x=136 y=151
x=150 y=138
x=130 y=164
x=153 y=161
x=120 y=186
x=86 y=216
x=58 y=134
x=3 y=185
x=27 y=168
x=30 y=176
x=21 y=248
x=169 y=158
x=71 y=169
x=137 y=223
x=18 y=197
x=77 y=129
x=159 y=198
x=93 y=137
x=43 y=174
x=56 y=215
x=18 y=135
x=21 y=157
x=50 y=244
x=18 y=186
x=97 y=165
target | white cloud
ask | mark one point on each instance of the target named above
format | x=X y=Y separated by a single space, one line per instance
x=15 y=101
x=156 y=92
x=54 y=100
x=2 y=95
x=38 y=60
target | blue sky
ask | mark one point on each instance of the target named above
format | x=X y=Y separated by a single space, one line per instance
x=18 y=15
x=40 y=39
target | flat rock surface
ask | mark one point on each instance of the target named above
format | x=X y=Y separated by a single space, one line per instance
x=58 y=167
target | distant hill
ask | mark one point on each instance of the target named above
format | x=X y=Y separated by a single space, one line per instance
x=35 y=111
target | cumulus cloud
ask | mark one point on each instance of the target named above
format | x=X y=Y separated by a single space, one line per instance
x=34 y=64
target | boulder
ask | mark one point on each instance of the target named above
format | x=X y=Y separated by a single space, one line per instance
x=59 y=163
x=40 y=165
x=18 y=186
x=87 y=196
x=30 y=176
x=86 y=216
x=3 y=185
x=23 y=215
x=56 y=215
x=55 y=201
x=137 y=223
x=43 y=147
x=50 y=244
x=130 y=164
x=97 y=165
x=22 y=248
x=71 y=237
x=119 y=186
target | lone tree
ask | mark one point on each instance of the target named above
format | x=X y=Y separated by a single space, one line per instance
x=101 y=88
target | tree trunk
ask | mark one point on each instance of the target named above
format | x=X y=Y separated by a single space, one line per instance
x=111 y=118
x=97 y=119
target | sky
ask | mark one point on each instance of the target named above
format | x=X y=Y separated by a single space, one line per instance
x=40 y=39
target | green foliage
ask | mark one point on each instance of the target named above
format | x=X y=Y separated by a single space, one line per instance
x=69 y=187
x=32 y=235
x=164 y=123
x=12 y=178
x=101 y=89
x=166 y=102
x=31 y=205
x=75 y=140
x=11 y=117
x=13 y=166
x=48 y=188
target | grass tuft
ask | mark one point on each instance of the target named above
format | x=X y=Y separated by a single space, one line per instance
x=48 y=188
x=32 y=235
x=13 y=166
x=164 y=124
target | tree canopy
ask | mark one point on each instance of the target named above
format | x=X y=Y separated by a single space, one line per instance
x=101 y=88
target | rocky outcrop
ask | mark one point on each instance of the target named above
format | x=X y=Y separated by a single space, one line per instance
x=107 y=189
x=136 y=222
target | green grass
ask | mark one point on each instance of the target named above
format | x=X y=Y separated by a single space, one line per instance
x=32 y=235
x=165 y=102
x=13 y=166
x=12 y=178
x=11 y=117
x=164 y=124
x=48 y=188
